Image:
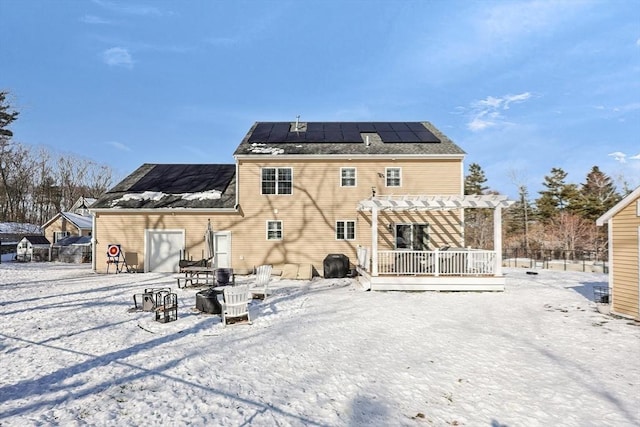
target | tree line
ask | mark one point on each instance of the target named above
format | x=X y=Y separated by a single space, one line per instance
x=562 y=217
x=35 y=183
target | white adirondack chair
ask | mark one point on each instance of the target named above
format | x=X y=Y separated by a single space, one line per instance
x=236 y=303
x=260 y=287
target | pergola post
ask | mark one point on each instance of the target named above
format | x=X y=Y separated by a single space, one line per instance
x=374 y=241
x=497 y=239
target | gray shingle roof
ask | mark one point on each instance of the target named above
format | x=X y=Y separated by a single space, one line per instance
x=345 y=138
x=167 y=186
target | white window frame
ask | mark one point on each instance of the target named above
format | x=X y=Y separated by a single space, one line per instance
x=387 y=178
x=345 y=229
x=279 y=229
x=57 y=234
x=343 y=177
x=409 y=243
x=277 y=181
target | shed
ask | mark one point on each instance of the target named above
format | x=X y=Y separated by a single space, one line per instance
x=623 y=222
x=73 y=249
x=33 y=248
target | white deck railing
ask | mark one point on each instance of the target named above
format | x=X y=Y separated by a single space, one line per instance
x=467 y=262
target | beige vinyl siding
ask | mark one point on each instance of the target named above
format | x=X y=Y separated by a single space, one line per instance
x=128 y=230
x=625 y=261
x=318 y=201
x=61 y=224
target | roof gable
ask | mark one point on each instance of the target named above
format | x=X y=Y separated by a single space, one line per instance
x=632 y=197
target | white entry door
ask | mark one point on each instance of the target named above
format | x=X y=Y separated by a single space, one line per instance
x=222 y=248
x=163 y=249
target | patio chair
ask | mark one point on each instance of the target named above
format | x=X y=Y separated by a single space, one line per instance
x=260 y=287
x=235 y=305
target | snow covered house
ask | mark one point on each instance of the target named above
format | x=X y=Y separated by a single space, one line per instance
x=623 y=222
x=387 y=195
x=33 y=248
x=76 y=222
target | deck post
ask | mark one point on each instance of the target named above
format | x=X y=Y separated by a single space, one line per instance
x=374 y=241
x=497 y=239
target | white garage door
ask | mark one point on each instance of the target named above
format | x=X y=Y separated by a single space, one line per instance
x=163 y=250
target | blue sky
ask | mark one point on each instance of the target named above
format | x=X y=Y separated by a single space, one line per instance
x=522 y=86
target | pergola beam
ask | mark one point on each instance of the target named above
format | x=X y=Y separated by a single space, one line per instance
x=434 y=203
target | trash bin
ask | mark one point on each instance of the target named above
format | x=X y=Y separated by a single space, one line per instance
x=336 y=266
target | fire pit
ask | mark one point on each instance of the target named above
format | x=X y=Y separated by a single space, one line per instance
x=207 y=301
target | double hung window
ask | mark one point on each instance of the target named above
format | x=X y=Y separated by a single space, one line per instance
x=347 y=177
x=274 y=230
x=345 y=230
x=394 y=177
x=277 y=181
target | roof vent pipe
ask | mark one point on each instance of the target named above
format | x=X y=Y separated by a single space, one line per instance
x=297 y=122
x=366 y=140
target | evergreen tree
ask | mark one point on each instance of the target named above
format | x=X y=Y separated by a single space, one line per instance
x=475 y=180
x=7 y=116
x=597 y=195
x=478 y=222
x=518 y=219
x=559 y=196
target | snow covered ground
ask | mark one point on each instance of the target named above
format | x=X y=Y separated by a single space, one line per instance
x=319 y=353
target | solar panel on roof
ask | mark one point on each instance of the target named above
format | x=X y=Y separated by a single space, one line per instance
x=296 y=137
x=342 y=132
x=426 y=136
x=383 y=127
x=178 y=178
x=350 y=127
x=366 y=127
x=408 y=136
x=261 y=132
x=389 y=137
x=278 y=135
x=332 y=127
x=332 y=135
x=399 y=127
x=416 y=126
x=315 y=127
x=314 y=136
x=352 y=136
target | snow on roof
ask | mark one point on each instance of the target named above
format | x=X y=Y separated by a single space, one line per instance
x=158 y=195
x=18 y=227
x=80 y=221
x=261 y=148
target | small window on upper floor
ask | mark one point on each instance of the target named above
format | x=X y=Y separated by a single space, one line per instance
x=277 y=181
x=347 y=177
x=393 y=177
